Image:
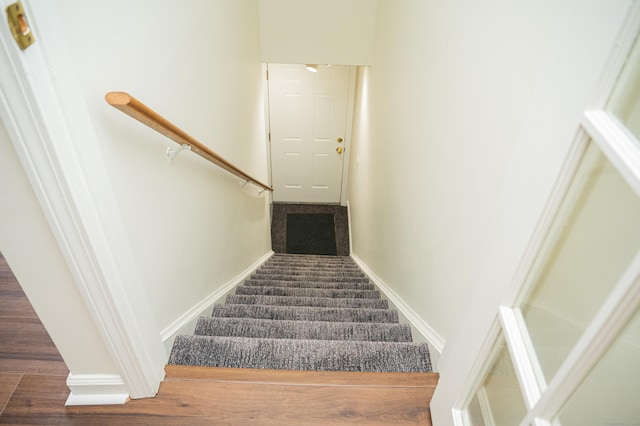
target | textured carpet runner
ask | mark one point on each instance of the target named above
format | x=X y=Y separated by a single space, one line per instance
x=302 y=312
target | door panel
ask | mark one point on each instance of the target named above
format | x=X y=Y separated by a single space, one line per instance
x=322 y=124
x=293 y=168
x=320 y=171
x=308 y=116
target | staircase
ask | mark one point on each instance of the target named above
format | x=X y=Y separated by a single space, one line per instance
x=304 y=312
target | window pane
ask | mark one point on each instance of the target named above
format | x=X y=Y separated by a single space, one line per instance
x=594 y=238
x=475 y=412
x=499 y=396
x=625 y=99
x=610 y=393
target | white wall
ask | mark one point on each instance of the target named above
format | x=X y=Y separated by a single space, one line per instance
x=317 y=31
x=32 y=253
x=470 y=110
x=190 y=227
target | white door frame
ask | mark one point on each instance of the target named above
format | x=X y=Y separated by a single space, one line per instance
x=42 y=107
x=347 y=137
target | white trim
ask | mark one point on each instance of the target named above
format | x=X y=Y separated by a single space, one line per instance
x=348 y=133
x=44 y=112
x=96 y=389
x=617 y=58
x=428 y=333
x=267 y=126
x=187 y=320
x=618 y=144
x=349 y=227
x=513 y=327
x=460 y=417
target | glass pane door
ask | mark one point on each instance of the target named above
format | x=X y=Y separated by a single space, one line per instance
x=498 y=401
x=572 y=332
x=595 y=237
x=610 y=393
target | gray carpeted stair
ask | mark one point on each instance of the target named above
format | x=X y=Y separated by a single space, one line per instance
x=308 y=284
x=293 y=354
x=304 y=312
x=308 y=330
x=323 y=302
x=308 y=292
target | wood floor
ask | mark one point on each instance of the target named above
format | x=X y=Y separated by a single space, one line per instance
x=33 y=389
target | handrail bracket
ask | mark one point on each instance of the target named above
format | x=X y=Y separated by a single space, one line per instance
x=173 y=153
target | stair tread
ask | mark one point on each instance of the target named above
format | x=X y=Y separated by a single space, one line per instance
x=307 y=284
x=311 y=264
x=300 y=354
x=308 y=330
x=311 y=257
x=307 y=301
x=283 y=276
x=307 y=292
x=308 y=313
x=329 y=272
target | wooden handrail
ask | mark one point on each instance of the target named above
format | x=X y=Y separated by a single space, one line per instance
x=136 y=109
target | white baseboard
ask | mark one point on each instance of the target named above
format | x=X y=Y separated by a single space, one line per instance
x=186 y=323
x=96 y=389
x=349 y=225
x=418 y=324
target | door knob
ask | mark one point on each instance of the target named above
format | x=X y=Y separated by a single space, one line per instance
x=339 y=150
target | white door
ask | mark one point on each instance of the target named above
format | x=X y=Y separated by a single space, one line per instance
x=308 y=125
x=564 y=349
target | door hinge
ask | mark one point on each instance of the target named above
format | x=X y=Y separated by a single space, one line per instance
x=267 y=74
x=269 y=136
x=19 y=26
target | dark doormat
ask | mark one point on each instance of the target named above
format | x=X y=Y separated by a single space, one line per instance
x=282 y=211
x=311 y=234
